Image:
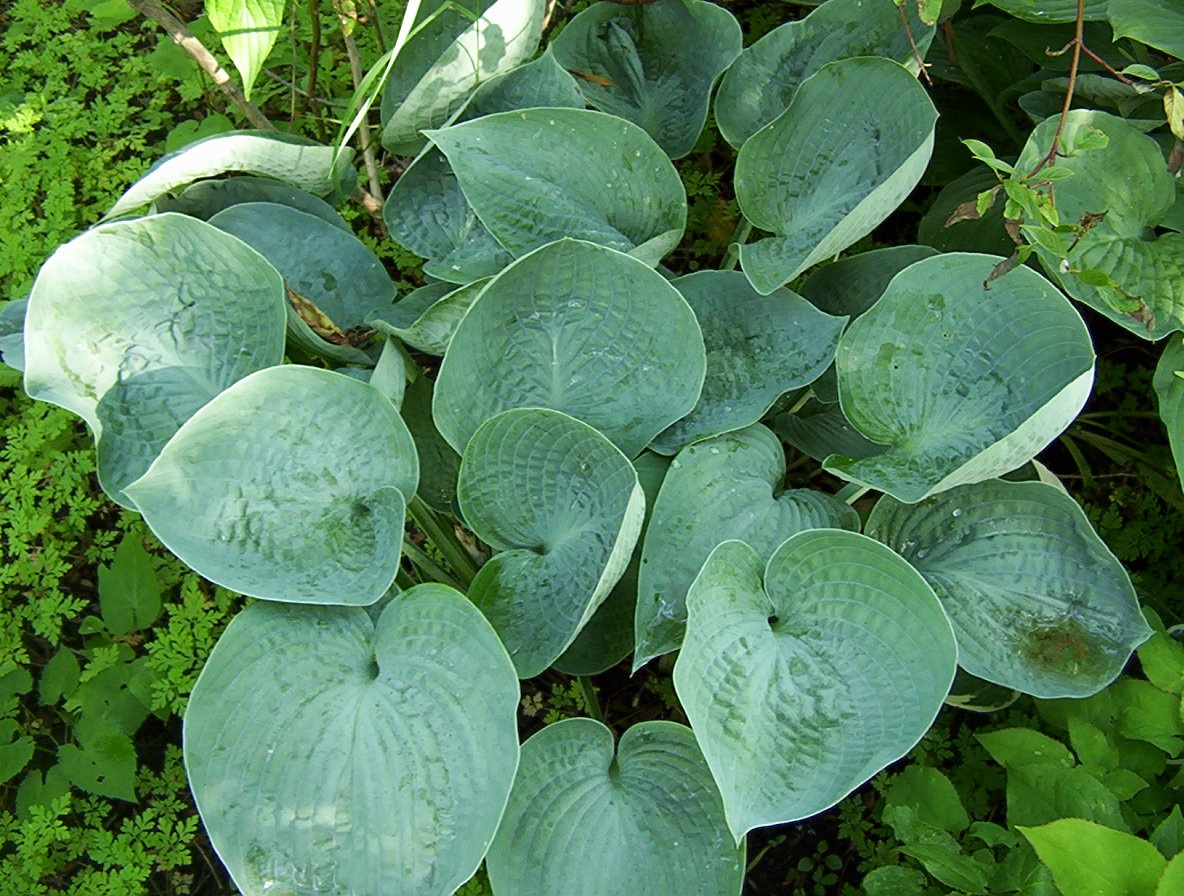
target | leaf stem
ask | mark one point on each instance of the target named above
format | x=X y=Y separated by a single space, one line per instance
x=429 y=567
x=591 y=701
x=802 y=400
x=314 y=55
x=1074 y=61
x=445 y=541
x=739 y=237
x=852 y=492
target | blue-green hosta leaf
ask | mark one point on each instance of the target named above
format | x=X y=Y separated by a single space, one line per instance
x=291 y=485
x=961 y=382
x=427 y=317
x=439 y=464
x=1045 y=11
x=206 y=198
x=1127 y=180
x=1169 y=389
x=329 y=753
x=855 y=282
x=248 y=29
x=831 y=167
x=758 y=348
x=821 y=430
x=581 y=329
x=294 y=160
x=136 y=324
x=760 y=84
x=645 y=822
x=805 y=677
x=608 y=637
x=330 y=267
x=12 y=333
x=652 y=64
x=505 y=33
x=723 y=488
x=563 y=507
x=1038 y=602
x=427 y=213
x=537 y=175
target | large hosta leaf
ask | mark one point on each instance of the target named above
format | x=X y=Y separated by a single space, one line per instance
x=652 y=64
x=804 y=678
x=563 y=507
x=961 y=382
x=760 y=84
x=831 y=167
x=436 y=72
x=1159 y=25
x=136 y=324
x=538 y=175
x=327 y=265
x=581 y=329
x=1038 y=602
x=1169 y=389
x=206 y=198
x=608 y=637
x=645 y=822
x=322 y=170
x=719 y=489
x=758 y=348
x=248 y=29
x=1127 y=181
x=329 y=753
x=291 y=485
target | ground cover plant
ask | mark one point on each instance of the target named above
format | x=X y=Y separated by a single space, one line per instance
x=565 y=448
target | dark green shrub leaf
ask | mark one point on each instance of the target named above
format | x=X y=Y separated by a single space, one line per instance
x=331 y=753
x=291 y=485
x=1159 y=25
x=781 y=662
x=647 y=821
x=1089 y=858
x=652 y=64
x=1169 y=389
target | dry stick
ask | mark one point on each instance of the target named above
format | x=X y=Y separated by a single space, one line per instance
x=314 y=52
x=923 y=68
x=355 y=67
x=150 y=9
x=1076 y=44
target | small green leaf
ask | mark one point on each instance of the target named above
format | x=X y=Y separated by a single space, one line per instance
x=129 y=591
x=894 y=880
x=1015 y=747
x=1168 y=835
x=1047 y=239
x=931 y=796
x=248 y=29
x=1171 y=882
x=1091 y=745
x=103 y=763
x=1142 y=72
x=15 y=752
x=1162 y=659
x=987 y=156
x=1150 y=715
x=60 y=677
x=1088 y=858
x=1168 y=383
x=949 y=865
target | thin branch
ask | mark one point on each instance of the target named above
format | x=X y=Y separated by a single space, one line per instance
x=150 y=9
x=921 y=64
x=1077 y=43
x=367 y=145
x=314 y=53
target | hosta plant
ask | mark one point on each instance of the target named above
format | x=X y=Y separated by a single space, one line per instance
x=594 y=447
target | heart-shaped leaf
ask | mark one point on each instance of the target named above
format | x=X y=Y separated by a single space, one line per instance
x=1038 y=602
x=652 y=64
x=442 y=64
x=563 y=507
x=647 y=821
x=581 y=329
x=324 y=171
x=1126 y=181
x=1169 y=388
x=758 y=348
x=290 y=485
x=719 y=489
x=608 y=637
x=136 y=324
x=831 y=167
x=248 y=29
x=538 y=175
x=961 y=382
x=329 y=753
x=784 y=678
x=760 y=84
